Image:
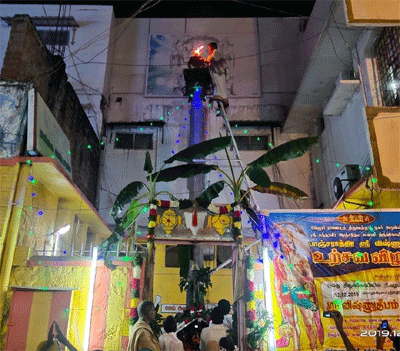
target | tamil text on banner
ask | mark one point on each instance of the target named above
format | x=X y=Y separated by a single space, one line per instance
x=325 y=261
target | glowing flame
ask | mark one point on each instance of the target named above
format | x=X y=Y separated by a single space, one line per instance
x=197 y=51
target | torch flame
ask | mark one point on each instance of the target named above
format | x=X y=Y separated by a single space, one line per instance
x=197 y=51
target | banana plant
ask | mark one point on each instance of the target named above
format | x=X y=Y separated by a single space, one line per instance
x=254 y=170
x=140 y=195
x=140 y=200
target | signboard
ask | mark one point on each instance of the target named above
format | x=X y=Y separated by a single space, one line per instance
x=325 y=261
x=45 y=136
x=173 y=309
x=384 y=128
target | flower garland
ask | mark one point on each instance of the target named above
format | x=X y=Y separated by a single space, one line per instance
x=193 y=313
x=135 y=286
x=181 y=204
x=250 y=293
x=151 y=221
x=184 y=204
x=237 y=224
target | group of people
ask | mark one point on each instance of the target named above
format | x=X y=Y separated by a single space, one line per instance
x=380 y=338
x=212 y=338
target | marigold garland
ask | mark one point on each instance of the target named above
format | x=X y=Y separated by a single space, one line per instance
x=184 y=204
x=237 y=224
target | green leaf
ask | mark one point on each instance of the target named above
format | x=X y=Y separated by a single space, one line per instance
x=258 y=176
x=201 y=150
x=210 y=194
x=129 y=217
x=148 y=167
x=182 y=171
x=125 y=196
x=287 y=151
x=287 y=190
x=134 y=211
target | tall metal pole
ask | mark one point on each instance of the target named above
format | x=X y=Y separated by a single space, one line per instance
x=196 y=184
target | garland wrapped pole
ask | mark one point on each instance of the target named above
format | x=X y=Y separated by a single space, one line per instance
x=135 y=286
x=150 y=257
x=239 y=278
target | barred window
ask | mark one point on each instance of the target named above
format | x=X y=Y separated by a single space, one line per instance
x=387 y=53
x=252 y=143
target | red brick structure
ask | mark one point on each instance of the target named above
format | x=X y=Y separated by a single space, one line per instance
x=28 y=60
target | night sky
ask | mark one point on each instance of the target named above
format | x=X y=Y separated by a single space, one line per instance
x=199 y=8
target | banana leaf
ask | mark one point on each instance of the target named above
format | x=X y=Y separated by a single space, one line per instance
x=287 y=190
x=210 y=194
x=287 y=151
x=201 y=150
x=258 y=176
x=148 y=167
x=182 y=171
x=125 y=196
x=129 y=217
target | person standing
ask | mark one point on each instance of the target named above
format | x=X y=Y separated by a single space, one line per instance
x=143 y=336
x=217 y=67
x=210 y=336
x=169 y=340
x=225 y=307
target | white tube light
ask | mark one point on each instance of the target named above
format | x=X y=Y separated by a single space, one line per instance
x=268 y=298
x=62 y=230
x=90 y=300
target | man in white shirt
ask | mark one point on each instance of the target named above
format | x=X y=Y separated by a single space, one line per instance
x=209 y=338
x=169 y=341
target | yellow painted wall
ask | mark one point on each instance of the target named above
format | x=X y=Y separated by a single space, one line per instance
x=381 y=198
x=79 y=277
x=373 y=12
x=57 y=277
x=166 y=282
x=116 y=312
x=8 y=179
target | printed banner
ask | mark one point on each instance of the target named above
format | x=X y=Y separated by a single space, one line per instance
x=325 y=261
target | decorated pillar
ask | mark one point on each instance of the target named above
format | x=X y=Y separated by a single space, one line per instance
x=151 y=251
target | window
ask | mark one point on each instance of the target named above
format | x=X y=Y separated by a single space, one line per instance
x=224 y=253
x=144 y=141
x=52 y=37
x=250 y=143
x=387 y=53
x=137 y=141
x=171 y=256
x=123 y=141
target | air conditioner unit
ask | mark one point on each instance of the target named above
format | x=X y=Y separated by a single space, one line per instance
x=343 y=181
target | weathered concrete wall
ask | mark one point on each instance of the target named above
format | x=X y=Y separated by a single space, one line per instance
x=28 y=60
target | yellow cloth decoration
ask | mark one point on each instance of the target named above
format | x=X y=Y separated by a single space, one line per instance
x=250 y=305
x=134 y=302
x=259 y=294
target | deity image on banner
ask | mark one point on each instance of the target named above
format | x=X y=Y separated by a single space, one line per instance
x=295 y=290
